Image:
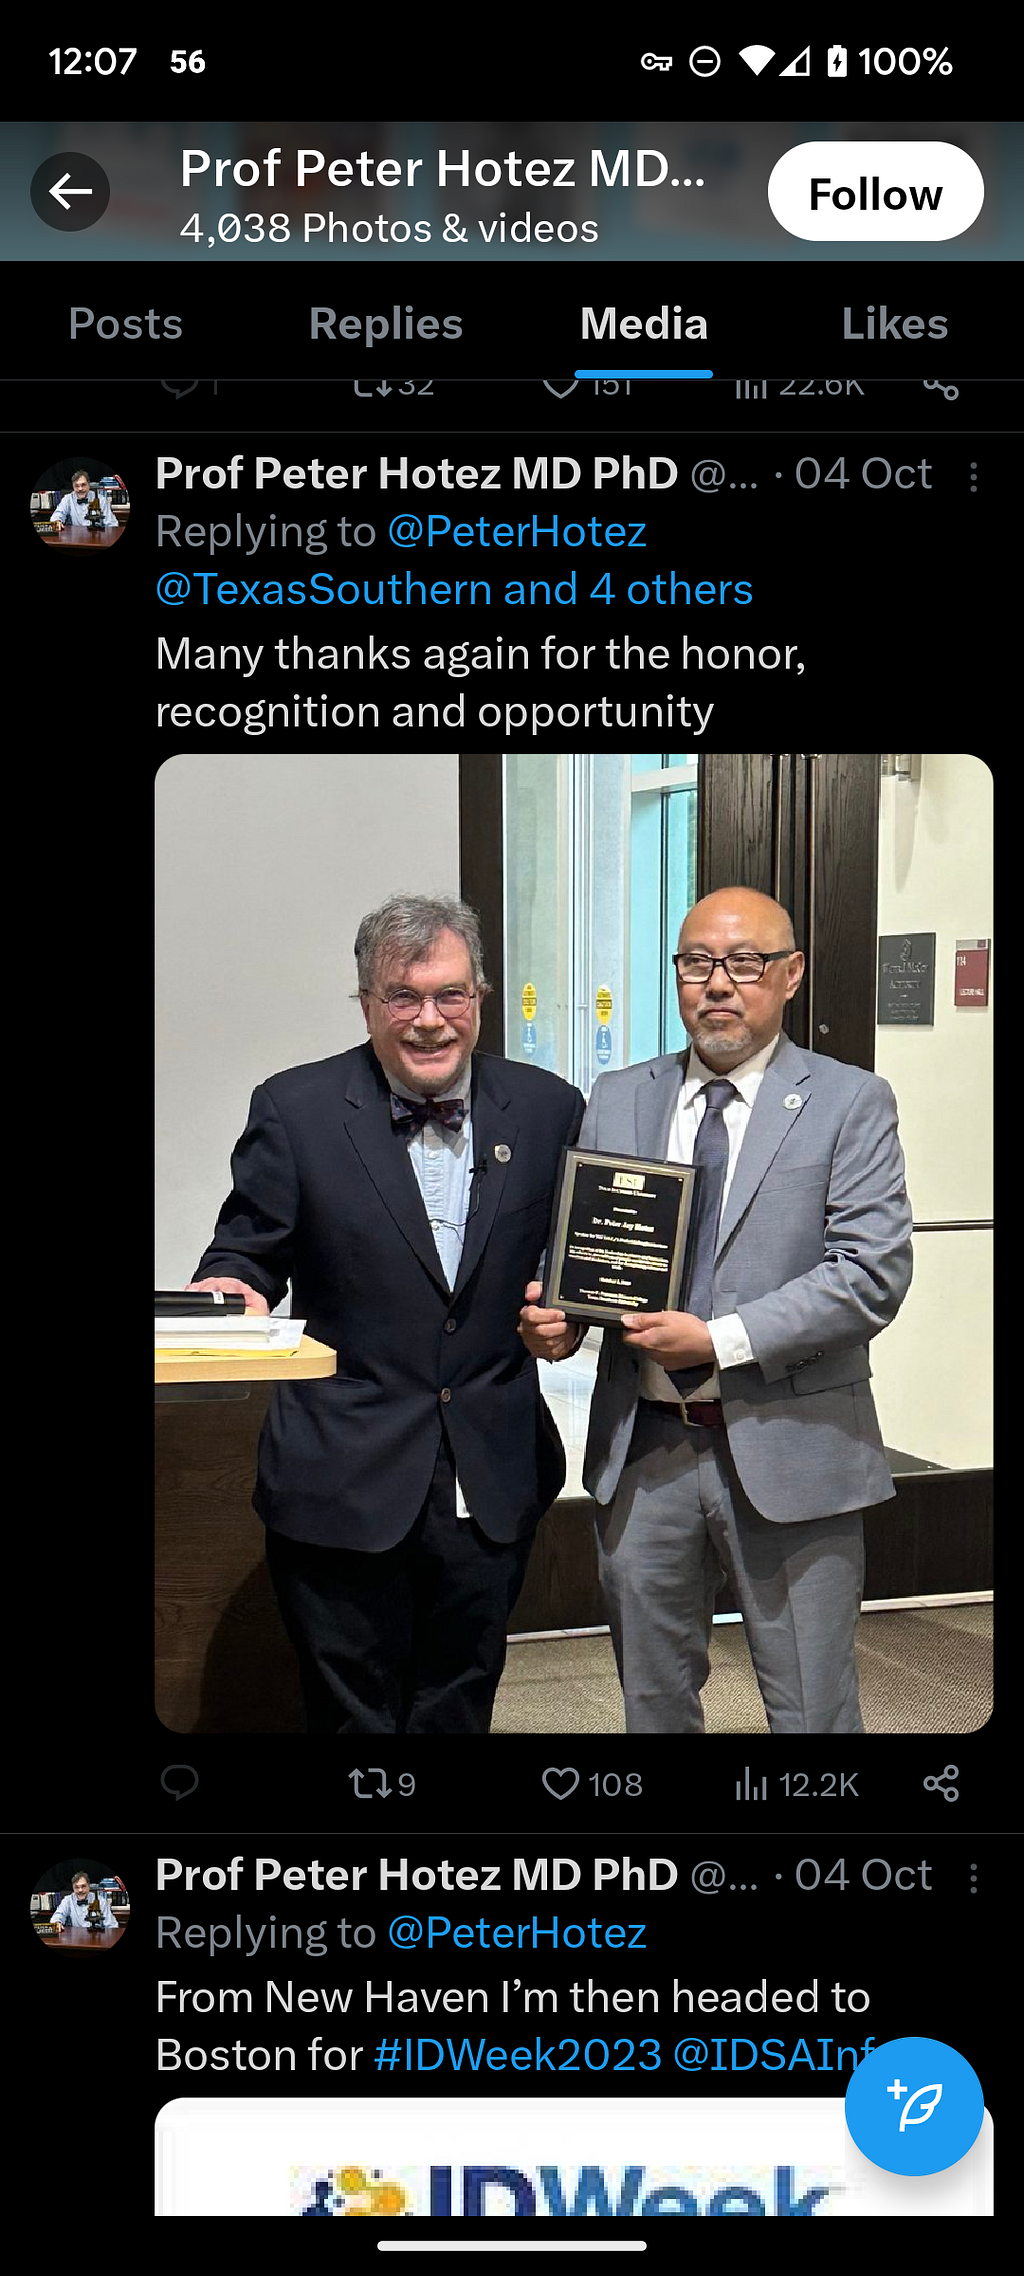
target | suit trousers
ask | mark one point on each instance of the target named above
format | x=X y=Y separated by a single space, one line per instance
x=410 y=1640
x=678 y=1519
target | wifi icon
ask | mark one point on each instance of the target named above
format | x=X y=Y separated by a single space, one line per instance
x=755 y=58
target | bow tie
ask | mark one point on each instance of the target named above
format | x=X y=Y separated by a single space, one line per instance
x=411 y=1113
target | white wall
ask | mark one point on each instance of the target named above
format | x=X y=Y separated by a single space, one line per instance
x=264 y=867
x=933 y=1367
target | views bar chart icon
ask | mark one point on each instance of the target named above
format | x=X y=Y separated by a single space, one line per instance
x=748 y=1791
x=755 y=58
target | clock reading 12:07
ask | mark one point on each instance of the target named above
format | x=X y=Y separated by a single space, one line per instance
x=110 y=62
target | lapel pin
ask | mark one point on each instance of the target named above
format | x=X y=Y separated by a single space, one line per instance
x=503 y=1153
x=793 y=1101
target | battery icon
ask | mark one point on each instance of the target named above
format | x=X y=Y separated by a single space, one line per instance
x=837 y=63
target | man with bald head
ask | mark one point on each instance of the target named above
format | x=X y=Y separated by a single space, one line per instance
x=741 y=1434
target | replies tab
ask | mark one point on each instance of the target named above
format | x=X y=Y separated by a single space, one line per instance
x=842 y=192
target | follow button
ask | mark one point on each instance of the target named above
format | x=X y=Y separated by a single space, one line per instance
x=843 y=191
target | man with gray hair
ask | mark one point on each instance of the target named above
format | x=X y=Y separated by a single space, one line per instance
x=86 y=502
x=404 y=1189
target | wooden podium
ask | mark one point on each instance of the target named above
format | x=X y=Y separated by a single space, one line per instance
x=222 y=1659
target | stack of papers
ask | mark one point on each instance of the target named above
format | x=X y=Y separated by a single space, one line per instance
x=227 y=1335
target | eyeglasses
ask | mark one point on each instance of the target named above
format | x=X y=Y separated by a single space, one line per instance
x=742 y=966
x=406 y=1003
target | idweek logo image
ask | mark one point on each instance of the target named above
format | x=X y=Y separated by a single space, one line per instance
x=574 y=2193
x=436 y=2159
x=347 y=2191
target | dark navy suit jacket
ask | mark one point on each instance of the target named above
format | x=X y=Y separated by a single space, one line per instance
x=324 y=1195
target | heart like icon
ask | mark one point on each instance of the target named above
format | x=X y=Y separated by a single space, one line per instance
x=555 y=387
x=560 y=1783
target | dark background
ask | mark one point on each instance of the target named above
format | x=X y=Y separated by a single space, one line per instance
x=898 y=602
x=917 y=1952
x=906 y=616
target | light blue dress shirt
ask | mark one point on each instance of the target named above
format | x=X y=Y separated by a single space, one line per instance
x=76 y=511
x=73 y=1913
x=442 y=1163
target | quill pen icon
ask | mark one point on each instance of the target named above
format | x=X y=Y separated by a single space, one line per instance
x=936 y=2096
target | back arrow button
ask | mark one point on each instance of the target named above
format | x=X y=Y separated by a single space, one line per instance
x=70 y=191
x=73 y=192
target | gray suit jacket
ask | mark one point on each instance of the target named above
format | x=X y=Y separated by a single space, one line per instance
x=813 y=1253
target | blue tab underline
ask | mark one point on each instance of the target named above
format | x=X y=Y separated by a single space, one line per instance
x=610 y=373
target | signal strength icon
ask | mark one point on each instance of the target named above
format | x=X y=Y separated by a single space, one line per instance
x=756 y=58
x=748 y=1792
x=800 y=68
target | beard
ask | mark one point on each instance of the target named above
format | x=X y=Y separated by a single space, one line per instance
x=723 y=1043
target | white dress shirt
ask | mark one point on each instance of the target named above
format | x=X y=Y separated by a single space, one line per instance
x=728 y=1334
